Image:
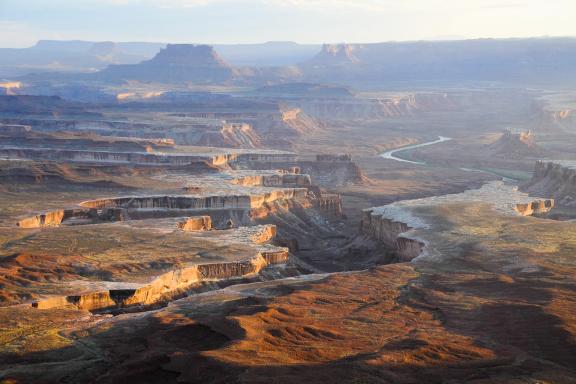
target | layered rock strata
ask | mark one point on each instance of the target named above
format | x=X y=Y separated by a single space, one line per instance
x=554 y=179
x=329 y=204
x=179 y=281
x=141 y=207
x=144 y=158
x=169 y=285
x=196 y=223
x=197 y=202
x=276 y=180
x=72 y=216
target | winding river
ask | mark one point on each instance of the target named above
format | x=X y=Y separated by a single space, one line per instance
x=391 y=154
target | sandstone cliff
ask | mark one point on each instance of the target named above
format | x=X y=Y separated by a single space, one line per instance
x=554 y=179
x=390 y=233
x=196 y=223
x=168 y=286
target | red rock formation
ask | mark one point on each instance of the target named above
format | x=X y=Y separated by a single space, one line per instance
x=168 y=285
x=196 y=223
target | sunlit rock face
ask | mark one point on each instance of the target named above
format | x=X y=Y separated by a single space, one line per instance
x=196 y=223
x=169 y=285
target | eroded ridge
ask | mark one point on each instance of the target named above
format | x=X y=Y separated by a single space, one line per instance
x=179 y=281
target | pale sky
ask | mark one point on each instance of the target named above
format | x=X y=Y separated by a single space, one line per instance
x=23 y=22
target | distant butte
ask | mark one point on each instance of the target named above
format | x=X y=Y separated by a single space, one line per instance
x=175 y=63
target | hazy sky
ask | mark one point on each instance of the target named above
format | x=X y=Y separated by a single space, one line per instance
x=22 y=22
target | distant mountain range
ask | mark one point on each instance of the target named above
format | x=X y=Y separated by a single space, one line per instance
x=427 y=63
x=486 y=60
x=86 y=56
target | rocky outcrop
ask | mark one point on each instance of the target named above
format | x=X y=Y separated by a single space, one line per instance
x=334 y=173
x=73 y=216
x=324 y=170
x=262 y=234
x=229 y=135
x=175 y=64
x=276 y=180
x=137 y=208
x=331 y=204
x=278 y=128
x=554 y=179
x=203 y=202
x=170 y=285
x=48 y=219
x=196 y=223
x=520 y=144
x=535 y=207
x=390 y=233
x=336 y=55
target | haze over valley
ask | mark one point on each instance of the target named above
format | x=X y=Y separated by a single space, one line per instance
x=390 y=210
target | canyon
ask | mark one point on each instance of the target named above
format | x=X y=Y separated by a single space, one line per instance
x=351 y=213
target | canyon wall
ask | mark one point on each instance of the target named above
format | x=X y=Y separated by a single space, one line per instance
x=389 y=232
x=329 y=204
x=169 y=285
x=144 y=158
x=203 y=202
x=73 y=216
x=554 y=179
x=124 y=208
